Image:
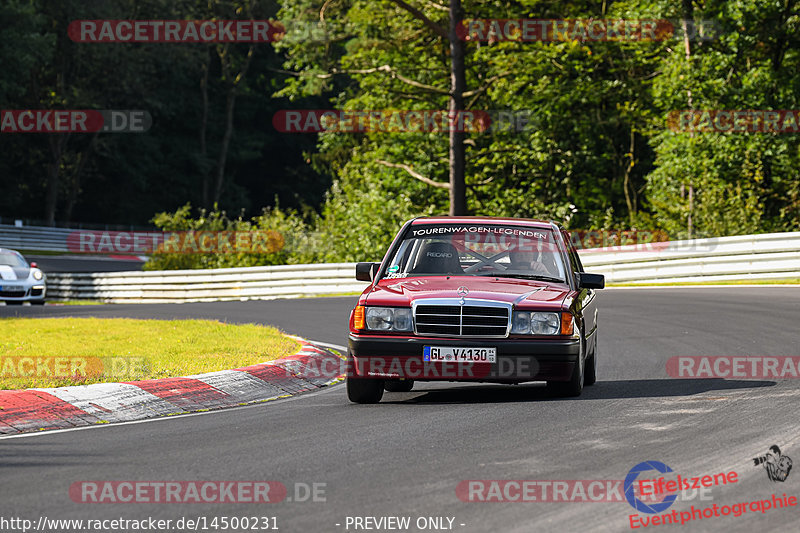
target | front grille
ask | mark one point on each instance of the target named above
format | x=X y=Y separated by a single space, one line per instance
x=473 y=319
x=12 y=294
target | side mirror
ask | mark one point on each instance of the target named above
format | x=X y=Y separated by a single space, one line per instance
x=366 y=271
x=591 y=281
x=34 y=264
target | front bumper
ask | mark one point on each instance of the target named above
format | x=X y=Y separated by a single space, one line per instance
x=11 y=291
x=518 y=360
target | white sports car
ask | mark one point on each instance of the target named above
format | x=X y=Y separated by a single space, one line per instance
x=20 y=281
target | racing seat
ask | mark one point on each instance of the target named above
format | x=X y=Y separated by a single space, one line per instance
x=437 y=258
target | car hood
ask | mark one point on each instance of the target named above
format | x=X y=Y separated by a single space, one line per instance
x=521 y=293
x=14 y=273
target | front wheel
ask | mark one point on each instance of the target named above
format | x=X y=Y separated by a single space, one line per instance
x=590 y=376
x=364 y=390
x=399 y=385
x=574 y=386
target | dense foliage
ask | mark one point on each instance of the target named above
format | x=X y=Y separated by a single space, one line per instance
x=125 y=178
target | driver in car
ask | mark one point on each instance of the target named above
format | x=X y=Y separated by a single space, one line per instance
x=526 y=260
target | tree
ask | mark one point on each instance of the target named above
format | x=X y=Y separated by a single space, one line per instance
x=738 y=182
x=445 y=35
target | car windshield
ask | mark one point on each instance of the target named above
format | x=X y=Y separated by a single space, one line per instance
x=12 y=259
x=478 y=250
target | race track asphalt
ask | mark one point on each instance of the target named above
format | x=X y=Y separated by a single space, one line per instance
x=406 y=456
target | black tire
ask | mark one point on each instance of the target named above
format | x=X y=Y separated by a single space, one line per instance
x=364 y=390
x=37 y=302
x=574 y=386
x=398 y=385
x=590 y=372
x=13 y=303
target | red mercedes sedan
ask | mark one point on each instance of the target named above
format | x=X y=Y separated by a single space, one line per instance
x=497 y=300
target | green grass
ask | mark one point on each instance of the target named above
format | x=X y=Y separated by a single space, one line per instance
x=74 y=302
x=789 y=281
x=79 y=351
x=332 y=295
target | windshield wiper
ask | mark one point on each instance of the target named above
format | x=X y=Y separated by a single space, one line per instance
x=521 y=276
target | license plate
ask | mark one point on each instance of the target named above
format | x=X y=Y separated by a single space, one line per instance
x=459 y=355
x=10 y=288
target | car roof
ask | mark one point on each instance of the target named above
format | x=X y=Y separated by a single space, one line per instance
x=542 y=224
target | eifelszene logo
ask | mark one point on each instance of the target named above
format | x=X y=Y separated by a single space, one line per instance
x=777 y=465
x=630 y=484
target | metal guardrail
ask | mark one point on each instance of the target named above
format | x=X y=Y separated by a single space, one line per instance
x=172 y=286
x=49 y=239
x=741 y=257
x=34 y=238
x=768 y=256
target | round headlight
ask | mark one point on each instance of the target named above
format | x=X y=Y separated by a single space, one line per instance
x=402 y=319
x=545 y=323
x=522 y=323
x=37 y=274
x=379 y=318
